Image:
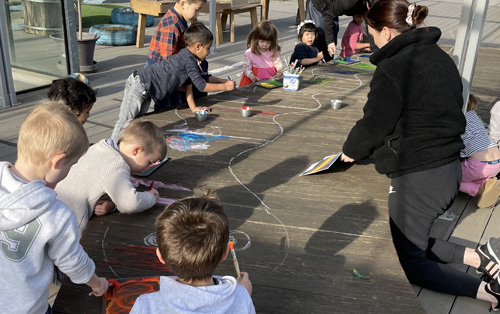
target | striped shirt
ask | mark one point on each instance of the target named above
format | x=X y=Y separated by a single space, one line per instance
x=476 y=136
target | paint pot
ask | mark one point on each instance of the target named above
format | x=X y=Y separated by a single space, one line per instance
x=336 y=103
x=291 y=82
x=246 y=111
x=201 y=115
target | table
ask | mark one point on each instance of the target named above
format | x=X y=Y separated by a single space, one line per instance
x=145 y=7
x=298 y=237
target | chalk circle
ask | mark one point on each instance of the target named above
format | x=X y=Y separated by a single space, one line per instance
x=150 y=240
x=241 y=240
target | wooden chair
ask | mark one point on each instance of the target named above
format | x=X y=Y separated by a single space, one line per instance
x=231 y=8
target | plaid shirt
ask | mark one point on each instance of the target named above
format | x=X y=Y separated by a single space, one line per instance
x=168 y=38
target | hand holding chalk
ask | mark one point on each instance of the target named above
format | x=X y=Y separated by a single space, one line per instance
x=245 y=282
x=99 y=285
x=154 y=192
x=234 y=84
x=235 y=260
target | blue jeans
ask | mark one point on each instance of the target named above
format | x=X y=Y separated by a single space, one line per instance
x=135 y=103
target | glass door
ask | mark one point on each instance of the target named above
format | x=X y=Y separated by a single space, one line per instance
x=35 y=58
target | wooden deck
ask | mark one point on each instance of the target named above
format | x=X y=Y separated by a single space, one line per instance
x=307 y=233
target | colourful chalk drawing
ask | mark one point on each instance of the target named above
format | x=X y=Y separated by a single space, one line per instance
x=122 y=293
x=320 y=81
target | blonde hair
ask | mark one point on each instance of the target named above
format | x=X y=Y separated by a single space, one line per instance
x=51 y=129
x=147 y=135
x=472 y=103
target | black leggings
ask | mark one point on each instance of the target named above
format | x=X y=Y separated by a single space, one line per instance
x=415 y=201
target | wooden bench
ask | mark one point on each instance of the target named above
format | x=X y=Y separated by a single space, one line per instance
x=145 y=7
x=231 y=8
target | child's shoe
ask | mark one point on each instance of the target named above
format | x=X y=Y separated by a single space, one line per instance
x=493 y=288
x=489 y=255
x=490 y=194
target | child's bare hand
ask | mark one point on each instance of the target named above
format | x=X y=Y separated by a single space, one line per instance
x=229 y=85
x=154 y=192
x=201 y=108
x=245 y=282
x=279 y=75
x=254 y=78
x=320 y=55
x=101 y=287
x=104 y=207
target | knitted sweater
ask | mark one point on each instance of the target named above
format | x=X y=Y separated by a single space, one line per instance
x=413 y=118
x=102 y=170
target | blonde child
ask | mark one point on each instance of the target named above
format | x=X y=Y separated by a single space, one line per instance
x=481 y=161
x=192 y=236
x=353 y=37
x=305 y=53
x=37 y=231
x=262 y=58
x=104 y=172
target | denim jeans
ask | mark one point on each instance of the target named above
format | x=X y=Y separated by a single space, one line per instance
x=135 y=103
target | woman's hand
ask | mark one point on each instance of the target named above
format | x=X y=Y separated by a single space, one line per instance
x=346 y=158
x=331 y=49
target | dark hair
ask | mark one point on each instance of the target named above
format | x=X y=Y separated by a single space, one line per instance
x=393 y=13
x=264 y=30
x=198 y=33
x=192 y=235
x=77 y=95
x=307 y=27
x=472 y=103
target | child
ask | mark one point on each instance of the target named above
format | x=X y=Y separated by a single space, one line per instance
x=494 y=127
x=262 y=58
x=192 y=236
x=104 y=172
x=159 y=80
x=353 y=37
x=37 y=231
x=168 y=38
x=77 y=95
x=482 y=159
x=305 y=52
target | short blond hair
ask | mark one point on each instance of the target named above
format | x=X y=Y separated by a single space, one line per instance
x=147 y=135
x=51 y=129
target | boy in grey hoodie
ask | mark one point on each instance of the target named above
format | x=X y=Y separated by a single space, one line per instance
x=192 y=236
x=37 y=231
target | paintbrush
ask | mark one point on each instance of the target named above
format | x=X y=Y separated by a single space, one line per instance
x=235 y=260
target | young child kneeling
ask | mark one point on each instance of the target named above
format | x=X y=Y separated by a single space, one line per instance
x=37 y=231
x=481 y=161
x=104 y=173
x=192 y=236
x=160 y=79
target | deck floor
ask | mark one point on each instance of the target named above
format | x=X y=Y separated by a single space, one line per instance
x=307 y=233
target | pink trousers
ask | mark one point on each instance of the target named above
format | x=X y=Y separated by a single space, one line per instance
x=475 y=174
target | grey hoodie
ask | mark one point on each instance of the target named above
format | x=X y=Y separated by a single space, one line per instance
x=227 y=296
x=37 y=232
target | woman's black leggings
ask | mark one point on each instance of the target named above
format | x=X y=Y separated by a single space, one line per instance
x=415 y=201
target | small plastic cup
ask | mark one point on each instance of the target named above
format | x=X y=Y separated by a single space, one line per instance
x=246 y=111
x=336 y=103
x=201 y=115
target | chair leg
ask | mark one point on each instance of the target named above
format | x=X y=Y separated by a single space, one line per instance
x=231 y=20
x=218 y=29
x=224 y=21
x=253 y=17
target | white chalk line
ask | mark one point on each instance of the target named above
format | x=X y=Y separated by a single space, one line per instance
x=104 y=253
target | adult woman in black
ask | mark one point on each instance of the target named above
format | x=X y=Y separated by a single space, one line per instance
x=412 y=122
